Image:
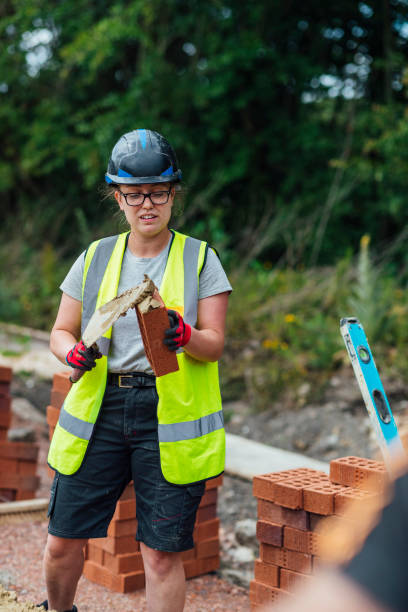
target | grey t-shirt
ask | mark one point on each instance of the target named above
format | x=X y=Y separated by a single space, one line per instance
x=126 y=352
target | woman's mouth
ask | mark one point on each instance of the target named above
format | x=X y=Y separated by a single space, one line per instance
x=147 y=217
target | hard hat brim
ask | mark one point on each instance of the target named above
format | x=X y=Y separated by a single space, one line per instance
x=140 y=180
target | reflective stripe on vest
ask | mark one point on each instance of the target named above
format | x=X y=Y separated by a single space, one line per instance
x=94 y=276
x=188 y=430
x=75 y=426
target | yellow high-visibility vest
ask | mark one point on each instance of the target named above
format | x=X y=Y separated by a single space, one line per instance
x=190 y=420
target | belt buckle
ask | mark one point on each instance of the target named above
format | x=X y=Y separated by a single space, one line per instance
x=121 y=385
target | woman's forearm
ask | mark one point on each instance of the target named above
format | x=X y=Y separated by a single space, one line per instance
x=205 y=344
x=61 y=341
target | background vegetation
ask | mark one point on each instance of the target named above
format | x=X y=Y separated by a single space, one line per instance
x=290 y=124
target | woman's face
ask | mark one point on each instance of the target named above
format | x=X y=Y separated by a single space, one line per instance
x=149 y=218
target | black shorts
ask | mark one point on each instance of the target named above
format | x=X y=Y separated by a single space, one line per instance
x=125 y=447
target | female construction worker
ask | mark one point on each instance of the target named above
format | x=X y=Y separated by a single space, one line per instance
x=119 y=423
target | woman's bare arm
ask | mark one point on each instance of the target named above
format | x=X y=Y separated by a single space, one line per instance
x=207 y=339
x=67 y=327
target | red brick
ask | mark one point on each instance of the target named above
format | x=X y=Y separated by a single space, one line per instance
x=6 y=374
x=121 y=583
x=5 y=403
x=316 y=520
x=270 y=533
x=301 y=541
x=269 y=511
x=197 y=567
x=124 y=563
x=8 y=466
x=319 y=499
x=290 y=559
x=57 y=399
x=4 y=389
x=52 y=416
x=61 y=382
x=349 y=496
x=5 y=419
x=26 y=494
x=290 y=580
x=209 y=497
x=121 y=528
x=117 y=546
x=15 y=481
x=19 y=450
x=187 y=555
x=152 y=325
x=260 y=593
x=125 y=509
x=94 y=553
x=27 y=468
x=7 y=494
x=213 y=483
x=267 y=573
x=206 y=514
x=358 y=472
x=207 y=548
x=128 y=493
x=289 y=493
x=264 y=485
x=206 y=530
x=3 y=433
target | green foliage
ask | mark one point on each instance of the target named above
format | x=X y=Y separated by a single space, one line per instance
x=283 y=328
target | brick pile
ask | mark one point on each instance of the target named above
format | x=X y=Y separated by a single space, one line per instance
x=18 y=460
x=116 y=561
x=291 y=507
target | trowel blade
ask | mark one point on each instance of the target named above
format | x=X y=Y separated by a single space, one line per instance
x=103 y=318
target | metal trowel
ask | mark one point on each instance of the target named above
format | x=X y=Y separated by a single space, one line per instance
x=105 y=316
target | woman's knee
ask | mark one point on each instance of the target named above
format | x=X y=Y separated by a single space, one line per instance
x=60 y=548
x=159 y=562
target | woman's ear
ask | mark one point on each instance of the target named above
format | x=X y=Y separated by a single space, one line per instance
x=118 y=198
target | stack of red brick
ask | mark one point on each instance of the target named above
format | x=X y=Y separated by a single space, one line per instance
x=18 y=460
x=116 y=561
x=291 y=504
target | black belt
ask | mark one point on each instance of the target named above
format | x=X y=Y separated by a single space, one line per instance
x=131 y=379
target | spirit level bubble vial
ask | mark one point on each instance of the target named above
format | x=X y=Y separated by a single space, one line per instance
x=372 y=389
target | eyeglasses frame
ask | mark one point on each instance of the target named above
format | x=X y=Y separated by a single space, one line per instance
x=146 y=195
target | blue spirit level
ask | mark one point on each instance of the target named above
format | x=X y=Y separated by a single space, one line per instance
x=372 y=390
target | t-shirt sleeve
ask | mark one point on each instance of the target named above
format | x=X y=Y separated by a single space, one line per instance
x=213 y=279
x=72 y=283
x=381 y=566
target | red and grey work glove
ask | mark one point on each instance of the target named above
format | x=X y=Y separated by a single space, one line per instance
x=179 y=333
x=81 y=357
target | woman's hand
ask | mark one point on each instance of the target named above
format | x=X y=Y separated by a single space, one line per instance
x=179 y=332
x=82 y=358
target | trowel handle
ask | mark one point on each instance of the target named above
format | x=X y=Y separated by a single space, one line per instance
x=76 y=375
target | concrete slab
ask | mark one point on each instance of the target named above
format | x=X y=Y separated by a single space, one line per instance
x=247 y=458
